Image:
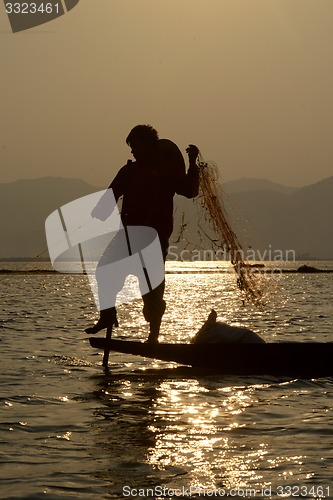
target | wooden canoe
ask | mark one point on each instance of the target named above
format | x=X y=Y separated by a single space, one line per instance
x=292 y=359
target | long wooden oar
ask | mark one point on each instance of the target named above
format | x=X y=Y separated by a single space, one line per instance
x=106 y=350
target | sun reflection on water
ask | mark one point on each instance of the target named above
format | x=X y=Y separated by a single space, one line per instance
x=195 y=434
x=210 y=432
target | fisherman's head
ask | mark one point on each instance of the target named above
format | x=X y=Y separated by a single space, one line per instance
x=143 y=140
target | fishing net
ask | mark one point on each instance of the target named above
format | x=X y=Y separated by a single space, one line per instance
x=212 y=225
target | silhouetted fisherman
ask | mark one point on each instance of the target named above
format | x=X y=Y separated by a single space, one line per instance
x=148 y=186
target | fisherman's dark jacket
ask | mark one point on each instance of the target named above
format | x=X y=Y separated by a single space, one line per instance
x=148 y=190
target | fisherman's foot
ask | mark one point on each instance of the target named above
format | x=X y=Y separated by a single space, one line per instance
x=108 y=319
x=100 y=325
x=152 y=338
x=154 y=331
x=151 y=341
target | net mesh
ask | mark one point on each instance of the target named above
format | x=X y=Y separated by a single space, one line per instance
x=212 y=225
x=210 y=196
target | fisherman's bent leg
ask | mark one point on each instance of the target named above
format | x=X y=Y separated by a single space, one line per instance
x=153 y=310
x=109 y=285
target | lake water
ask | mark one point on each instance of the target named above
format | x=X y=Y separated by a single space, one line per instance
x=151 y=429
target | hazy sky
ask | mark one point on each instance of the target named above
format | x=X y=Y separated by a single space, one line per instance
x=249 y=81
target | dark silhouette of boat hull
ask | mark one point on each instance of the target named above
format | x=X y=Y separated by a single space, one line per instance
x=292 y=359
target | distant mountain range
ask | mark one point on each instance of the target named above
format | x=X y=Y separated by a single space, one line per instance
x=252 y=184
x=264 y=214
x=299 y=219
x=25 y=204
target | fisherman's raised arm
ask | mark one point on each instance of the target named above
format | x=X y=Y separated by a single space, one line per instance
x=188 y=184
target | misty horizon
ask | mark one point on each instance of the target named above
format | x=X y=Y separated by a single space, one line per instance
x=220 y=179
x=261 y=214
